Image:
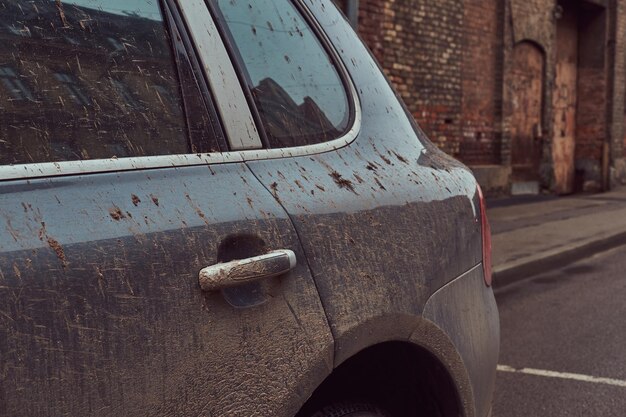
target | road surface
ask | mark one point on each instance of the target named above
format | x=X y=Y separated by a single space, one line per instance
x=563 y=341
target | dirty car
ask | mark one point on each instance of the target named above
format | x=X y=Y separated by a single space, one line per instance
x=222 y=208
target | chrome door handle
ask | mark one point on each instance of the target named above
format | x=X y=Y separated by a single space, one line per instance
x=238 y=272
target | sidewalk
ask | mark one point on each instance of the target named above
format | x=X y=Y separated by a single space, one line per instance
x=533 y=237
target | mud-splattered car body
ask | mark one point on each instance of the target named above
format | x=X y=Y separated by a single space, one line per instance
x=101 y=307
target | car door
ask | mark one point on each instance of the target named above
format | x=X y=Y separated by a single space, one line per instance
x=109 y=212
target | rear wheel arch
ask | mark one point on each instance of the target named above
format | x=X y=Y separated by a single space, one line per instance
x=401 y=377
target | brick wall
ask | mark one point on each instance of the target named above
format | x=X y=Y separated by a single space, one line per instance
x=616 y=76
x=419 y=44
x=452 y=60
x=443 y=58
x=372 y=18
x=617 y=104
x=591 y=126
x=481 y=82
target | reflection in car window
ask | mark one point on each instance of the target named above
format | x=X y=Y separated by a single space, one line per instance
x=74 y=91
x=14 y=85
x=297 y=90
x=77 y=81
x=124 y=92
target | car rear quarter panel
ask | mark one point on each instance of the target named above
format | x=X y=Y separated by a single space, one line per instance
x=465 y=310
x=385 y=221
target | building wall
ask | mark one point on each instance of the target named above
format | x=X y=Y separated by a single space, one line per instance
x=452 y=61
x=593 y=108
x=617 y=102
x=528 y=21
x=481 y=76
x=419 y=45
x=373 y=15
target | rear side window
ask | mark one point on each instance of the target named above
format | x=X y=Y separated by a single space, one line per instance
x=87 y=79
x=298 y=92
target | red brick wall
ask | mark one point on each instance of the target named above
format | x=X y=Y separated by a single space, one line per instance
x=419 y=44
x=442 y=58
x=481 y=76
x=591 y=120
x=619 y=93
x=450 y=60
x=371 y=21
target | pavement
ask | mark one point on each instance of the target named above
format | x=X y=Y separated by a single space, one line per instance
x=531 y=235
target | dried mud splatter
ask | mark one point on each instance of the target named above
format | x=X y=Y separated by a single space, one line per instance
x=56 y=247
x=116 y=213
x=342 y=182
x=61 y=13
x=401 y=158
x=274 y=187
x=380 y=184
x=370 y=166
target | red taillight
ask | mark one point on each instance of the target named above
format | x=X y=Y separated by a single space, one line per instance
x=486 y=234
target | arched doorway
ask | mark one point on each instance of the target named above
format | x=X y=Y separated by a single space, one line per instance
x=526 y=106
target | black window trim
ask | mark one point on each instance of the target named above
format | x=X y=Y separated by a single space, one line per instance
x=174 y=20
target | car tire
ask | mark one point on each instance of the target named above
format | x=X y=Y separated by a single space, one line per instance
x=350 y=409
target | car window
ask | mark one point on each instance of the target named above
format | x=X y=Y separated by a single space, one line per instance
x=298 y=92
x=87 y=79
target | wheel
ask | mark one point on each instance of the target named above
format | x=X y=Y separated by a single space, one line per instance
x=351 y=409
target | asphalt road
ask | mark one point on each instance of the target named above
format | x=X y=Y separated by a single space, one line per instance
x=563 y=341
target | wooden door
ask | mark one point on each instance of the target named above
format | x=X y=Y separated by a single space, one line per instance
x=564 y=102
x=526 y=98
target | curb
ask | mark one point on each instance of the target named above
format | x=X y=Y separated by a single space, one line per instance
x=515 y=271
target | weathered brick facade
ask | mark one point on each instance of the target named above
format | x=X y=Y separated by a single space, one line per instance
x=472 y=73
x=419 y=45
x=481 y=83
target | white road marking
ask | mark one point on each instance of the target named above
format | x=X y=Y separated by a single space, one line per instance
x=563 y=375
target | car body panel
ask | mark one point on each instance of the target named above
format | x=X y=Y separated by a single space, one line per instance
x=466 y=310
x=101 y=311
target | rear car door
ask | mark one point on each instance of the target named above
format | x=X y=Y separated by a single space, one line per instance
x=114 y=194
